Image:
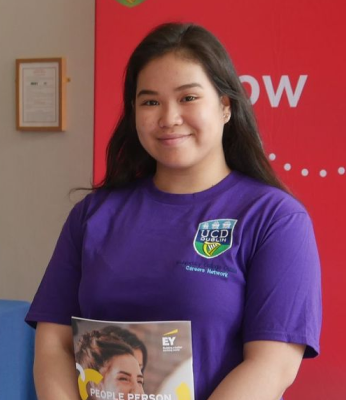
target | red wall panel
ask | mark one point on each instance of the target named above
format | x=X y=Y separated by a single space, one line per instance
x=271 y=42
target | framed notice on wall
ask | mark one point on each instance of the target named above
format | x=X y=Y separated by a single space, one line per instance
x=40 y=94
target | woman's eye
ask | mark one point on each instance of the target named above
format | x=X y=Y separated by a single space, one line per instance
x=140 y=382
x=150 y=103
x=123 y=378
x=189 y=98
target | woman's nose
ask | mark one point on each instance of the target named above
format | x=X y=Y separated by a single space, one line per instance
x=136 y=388
x=170 y=116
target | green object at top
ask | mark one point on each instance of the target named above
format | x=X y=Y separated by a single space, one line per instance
x=130 y=3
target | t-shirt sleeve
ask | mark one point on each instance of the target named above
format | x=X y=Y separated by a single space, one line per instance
x=283 y=297
x=56 y=299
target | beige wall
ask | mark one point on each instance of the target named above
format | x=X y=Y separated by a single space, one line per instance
x=37 y=170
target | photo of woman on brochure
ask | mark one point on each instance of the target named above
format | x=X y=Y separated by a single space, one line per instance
x=107 y=353
x=126 y=361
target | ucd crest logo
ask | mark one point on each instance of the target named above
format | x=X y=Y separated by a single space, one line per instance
x=214 y=237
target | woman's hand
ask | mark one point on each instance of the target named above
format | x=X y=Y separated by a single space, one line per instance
x=268 y=369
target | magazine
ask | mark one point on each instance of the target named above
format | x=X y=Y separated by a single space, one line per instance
x=133 y=360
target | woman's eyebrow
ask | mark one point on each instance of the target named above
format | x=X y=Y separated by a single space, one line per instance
x=188 y=86
x=145 y=91
x=178 y=89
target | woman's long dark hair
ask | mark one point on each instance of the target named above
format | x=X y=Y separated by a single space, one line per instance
x=126 y=158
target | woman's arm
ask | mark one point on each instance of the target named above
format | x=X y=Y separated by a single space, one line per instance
x=268 y=369
x=54 y=368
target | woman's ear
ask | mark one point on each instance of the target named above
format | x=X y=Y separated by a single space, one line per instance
x=226 y=108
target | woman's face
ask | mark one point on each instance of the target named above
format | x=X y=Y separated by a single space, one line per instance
x=179 y=114
x=122 y=374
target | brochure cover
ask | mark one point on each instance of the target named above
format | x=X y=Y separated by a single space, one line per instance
x=133 y=360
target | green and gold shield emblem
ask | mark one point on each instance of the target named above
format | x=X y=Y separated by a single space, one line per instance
x=214 y=237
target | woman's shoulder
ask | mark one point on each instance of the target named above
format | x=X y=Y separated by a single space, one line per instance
x=266 y=197
x=103 y=198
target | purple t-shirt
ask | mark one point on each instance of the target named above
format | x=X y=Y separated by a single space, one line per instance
x=238 y=260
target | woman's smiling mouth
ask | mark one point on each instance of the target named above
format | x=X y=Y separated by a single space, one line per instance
x=173 y=140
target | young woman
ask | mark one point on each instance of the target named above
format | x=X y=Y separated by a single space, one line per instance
x=113 y=358
x=190 y=223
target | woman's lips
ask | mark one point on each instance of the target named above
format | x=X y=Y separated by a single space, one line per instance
x=173 y=140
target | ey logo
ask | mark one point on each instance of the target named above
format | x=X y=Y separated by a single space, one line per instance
x=168 y=339
x=130 y=3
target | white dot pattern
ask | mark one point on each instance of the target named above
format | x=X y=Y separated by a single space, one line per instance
x=272 y=156
x=323 y=173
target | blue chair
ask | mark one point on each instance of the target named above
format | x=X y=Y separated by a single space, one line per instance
x=16 y=352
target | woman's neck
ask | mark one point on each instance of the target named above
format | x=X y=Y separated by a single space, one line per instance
x=177 y=181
